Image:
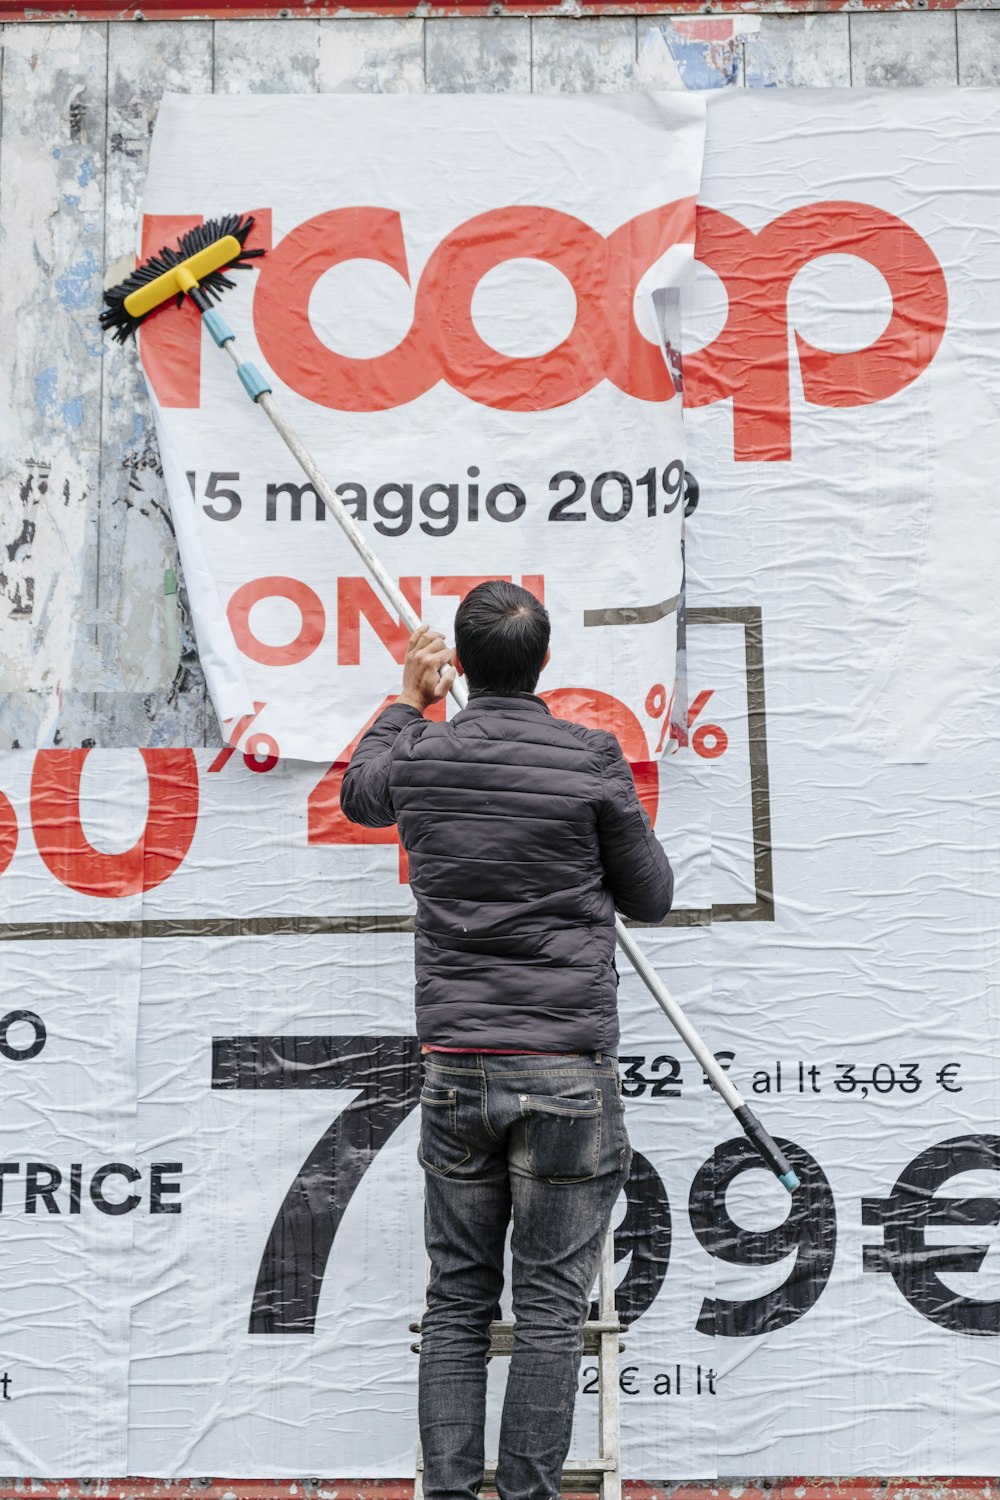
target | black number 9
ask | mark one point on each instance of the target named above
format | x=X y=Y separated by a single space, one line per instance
x=810 y=1229
x=673 y=485
x=643 y=1239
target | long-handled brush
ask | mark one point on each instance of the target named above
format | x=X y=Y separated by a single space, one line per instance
x=195 y=269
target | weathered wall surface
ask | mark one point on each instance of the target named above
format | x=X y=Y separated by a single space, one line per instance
x=95 y=641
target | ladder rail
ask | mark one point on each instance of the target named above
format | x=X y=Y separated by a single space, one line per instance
x=609 y=1390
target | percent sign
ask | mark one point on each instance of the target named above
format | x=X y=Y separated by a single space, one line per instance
x=261 y=753
x=709 y=740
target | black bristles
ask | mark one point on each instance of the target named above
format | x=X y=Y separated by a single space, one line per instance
x=114 y=315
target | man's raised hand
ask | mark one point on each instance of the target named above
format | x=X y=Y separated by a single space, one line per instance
x=428 y=670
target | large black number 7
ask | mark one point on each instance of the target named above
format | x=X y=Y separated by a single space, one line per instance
x=386 y=1070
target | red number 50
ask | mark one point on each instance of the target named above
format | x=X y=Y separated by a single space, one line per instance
x=156 y=853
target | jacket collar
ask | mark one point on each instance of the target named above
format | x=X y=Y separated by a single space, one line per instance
x=492 y=702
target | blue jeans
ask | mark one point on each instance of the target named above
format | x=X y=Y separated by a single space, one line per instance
x=542 y=1140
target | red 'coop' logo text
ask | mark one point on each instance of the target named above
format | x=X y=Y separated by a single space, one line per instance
x=747 y=362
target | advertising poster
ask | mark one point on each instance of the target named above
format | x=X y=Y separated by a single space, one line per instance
x=210 y=1194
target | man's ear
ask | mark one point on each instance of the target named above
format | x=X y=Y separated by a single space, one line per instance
x=459 y=669
x=545 y=660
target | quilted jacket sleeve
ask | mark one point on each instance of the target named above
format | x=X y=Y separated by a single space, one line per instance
x=637 y=869
x=365 y=794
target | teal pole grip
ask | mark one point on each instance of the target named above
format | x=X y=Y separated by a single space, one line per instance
x=768 y=1148
x=253 y=381
x=217 y=327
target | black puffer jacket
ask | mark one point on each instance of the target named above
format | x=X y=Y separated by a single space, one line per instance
x=524 y=832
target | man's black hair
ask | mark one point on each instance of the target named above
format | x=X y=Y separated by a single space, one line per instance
x=501 y=637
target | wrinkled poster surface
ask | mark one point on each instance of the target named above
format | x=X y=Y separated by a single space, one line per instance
x=470 y=318
x=211 y=1202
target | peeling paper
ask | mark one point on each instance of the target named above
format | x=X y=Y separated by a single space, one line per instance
x=463 y=353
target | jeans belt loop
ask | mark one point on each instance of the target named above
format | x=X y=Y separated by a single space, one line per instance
x=598 y=1057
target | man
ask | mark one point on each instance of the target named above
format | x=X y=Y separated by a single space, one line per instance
x=523 y=832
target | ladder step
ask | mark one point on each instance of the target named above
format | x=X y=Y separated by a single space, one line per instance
x=580 y=1474
x=502 y=1343
x=502 y=1337
x=590 y=1466
x=594 y=1324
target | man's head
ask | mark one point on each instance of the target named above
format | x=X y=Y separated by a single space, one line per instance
x=501 y=638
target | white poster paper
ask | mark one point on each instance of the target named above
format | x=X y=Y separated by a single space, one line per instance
x=454 y=314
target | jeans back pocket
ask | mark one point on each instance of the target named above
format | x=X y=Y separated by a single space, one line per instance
x=562 y=1136
x=441 y=1147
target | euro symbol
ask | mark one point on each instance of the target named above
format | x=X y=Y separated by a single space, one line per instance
x=911 y=1208
x=946 y=1078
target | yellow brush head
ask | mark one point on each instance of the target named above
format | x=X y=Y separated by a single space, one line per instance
x=195 y=266
x=182 y=277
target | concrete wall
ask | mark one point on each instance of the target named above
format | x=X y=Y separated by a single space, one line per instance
x=95 y=640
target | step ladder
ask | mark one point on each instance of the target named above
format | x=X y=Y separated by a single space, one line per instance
x=594 y=1476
